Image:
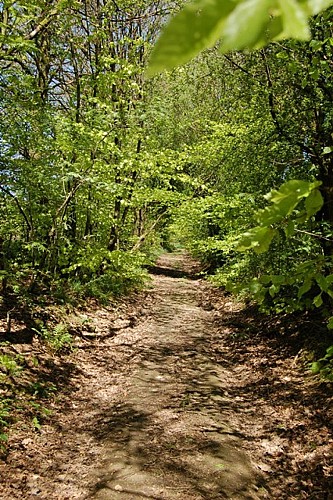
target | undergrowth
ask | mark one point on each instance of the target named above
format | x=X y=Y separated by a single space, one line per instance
x=56 y=337
x=324 y=366
x=25 y=386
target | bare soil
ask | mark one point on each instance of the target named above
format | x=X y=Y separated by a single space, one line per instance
x=186 y=394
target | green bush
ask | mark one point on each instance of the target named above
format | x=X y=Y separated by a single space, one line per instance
x=122 y=273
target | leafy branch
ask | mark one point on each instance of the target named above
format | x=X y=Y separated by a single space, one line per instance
x=284 y=201
x=238 y=25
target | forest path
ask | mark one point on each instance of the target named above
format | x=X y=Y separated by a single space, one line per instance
x=147 y=414
x=161 y=431
x=180 y=403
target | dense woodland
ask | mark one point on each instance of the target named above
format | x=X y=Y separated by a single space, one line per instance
x=102 y=165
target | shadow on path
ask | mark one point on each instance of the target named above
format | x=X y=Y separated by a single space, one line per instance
x=171 y=436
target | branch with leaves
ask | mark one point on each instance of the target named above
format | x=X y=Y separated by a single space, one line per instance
x=236 y=25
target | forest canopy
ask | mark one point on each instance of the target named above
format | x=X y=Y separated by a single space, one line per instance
x=229 y=154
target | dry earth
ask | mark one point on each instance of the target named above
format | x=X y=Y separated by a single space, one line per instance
x=191 y=397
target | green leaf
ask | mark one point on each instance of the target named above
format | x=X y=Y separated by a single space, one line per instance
x=278 y=279
x=316 y=6
x=330 y=323
x=316 y=366
x=327 y=150
x=272 y=214
x=35 y=423
x=316 y=44
x=304 y=288
x=273 y=30
x=294 y=189
x=295 y=23
x=273 y=290
x=318 y=301
x=321 y=280
x=265 y=279
x=258 y=239
x=284 y=201
x=255 y=287
x=329 y=279
x=197 y=26
x=240 y=24
x=329 y=352
x=287 y=198
x=290 y=229
x=313 y=202
x=245 y=25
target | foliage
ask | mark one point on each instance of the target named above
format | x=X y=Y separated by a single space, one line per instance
x=284 y=202
x=98 y=167
x=80 y=177
x=23 y=390
x=9 y=366
x=4 y=422
x=57 y=337
x=288 y=266
x=201 y=23
x=124 y=273
x=324 y=366
x=208 y=226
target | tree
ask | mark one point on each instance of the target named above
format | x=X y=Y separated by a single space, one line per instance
x=293 y=96
x=75 y=155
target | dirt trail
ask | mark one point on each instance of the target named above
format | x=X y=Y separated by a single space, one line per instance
x=163 y=436
x=151 y=411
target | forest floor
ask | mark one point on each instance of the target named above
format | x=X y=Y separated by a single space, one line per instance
x=183 y=394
